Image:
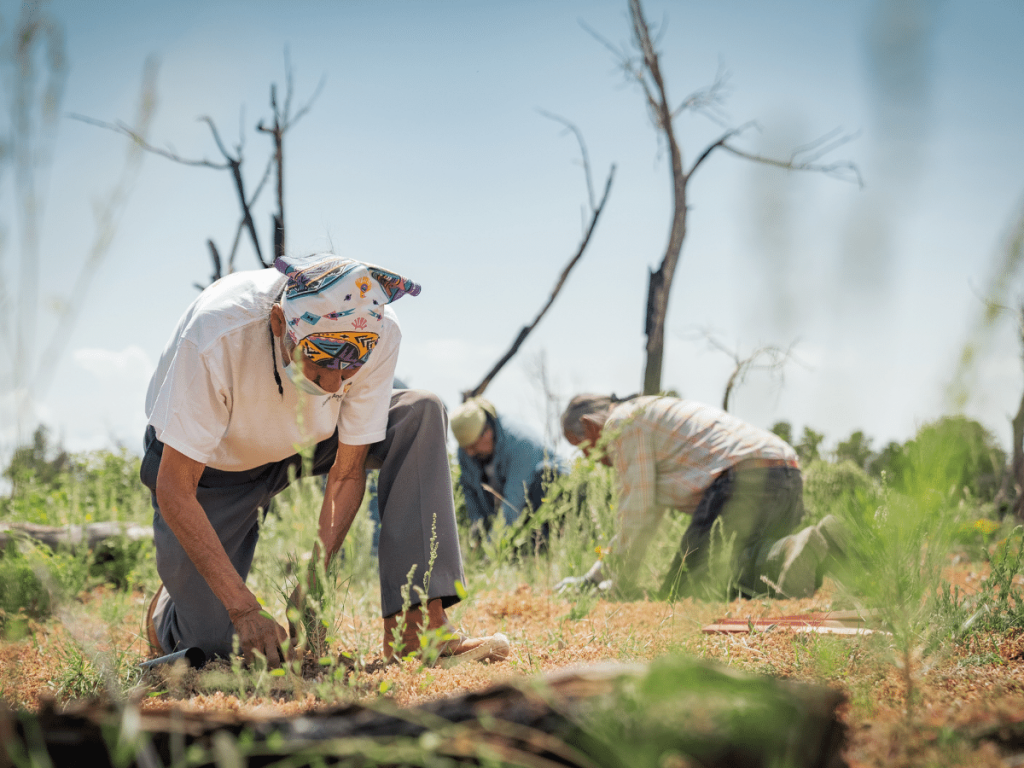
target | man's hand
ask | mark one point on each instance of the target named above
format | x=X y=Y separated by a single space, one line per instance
x=258 y=633
x=593 y=578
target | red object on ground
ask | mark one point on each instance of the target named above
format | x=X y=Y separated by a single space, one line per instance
x=828 y=623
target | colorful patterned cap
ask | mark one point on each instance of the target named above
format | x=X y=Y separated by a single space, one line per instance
x=469 y=419
x=333 y=307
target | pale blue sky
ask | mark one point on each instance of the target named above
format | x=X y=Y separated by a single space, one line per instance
x=426 y=154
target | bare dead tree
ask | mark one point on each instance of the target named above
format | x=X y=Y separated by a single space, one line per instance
x=1017 y=426
x=283 y=120
x=552 y=401
x=643 y=66
x=1009 y=261
x=768 y=358
x=595 y=213
x=232 y=160
x=1011 y=487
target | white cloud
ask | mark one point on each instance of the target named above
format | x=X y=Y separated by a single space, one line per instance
x=130 y=365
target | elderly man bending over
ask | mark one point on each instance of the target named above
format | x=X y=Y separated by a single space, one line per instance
x=261 y=365
x=679 y=454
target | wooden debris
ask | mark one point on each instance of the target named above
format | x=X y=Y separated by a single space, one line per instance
x=72 y=536
x=827 y=623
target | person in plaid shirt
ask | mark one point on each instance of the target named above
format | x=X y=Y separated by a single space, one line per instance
x=670 y=453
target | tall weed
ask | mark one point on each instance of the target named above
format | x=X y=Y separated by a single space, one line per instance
x=33 y=580
x=900 y=541
x=998 y=605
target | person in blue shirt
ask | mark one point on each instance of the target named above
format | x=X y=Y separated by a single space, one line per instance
x=505 y=468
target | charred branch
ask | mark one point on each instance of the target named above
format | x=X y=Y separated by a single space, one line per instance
x=769 y=358
x=217 y=270
x=525 y=331
x=283 y=120
x=641 y=65
x=233 y=160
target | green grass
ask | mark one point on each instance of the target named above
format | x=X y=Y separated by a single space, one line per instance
x=903 y=534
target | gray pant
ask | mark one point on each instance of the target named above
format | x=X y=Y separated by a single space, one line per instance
x=758 y=507
x=415 y=497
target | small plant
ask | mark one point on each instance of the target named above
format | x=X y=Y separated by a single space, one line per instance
x=33 y=578
x=87 y=675
x=998 y=606
x=898 y=549
x=582 y=604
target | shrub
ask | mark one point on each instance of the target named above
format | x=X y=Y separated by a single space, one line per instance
x=92 y=486
x=32 y=579
x=967 y=458
x=843 y=489
x=998 y=605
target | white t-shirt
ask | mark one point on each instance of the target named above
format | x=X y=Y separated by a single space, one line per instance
x=213 y=396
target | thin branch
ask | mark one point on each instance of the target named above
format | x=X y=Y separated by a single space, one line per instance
x=774 y=360
x=282 y=121
x=217 y=271
x=241 y=222
x=479 y=388
x=231 y=163
x=708 y=100
x=216 y=137
x=169 y=153
x=308 y=105
x=631 y=67
x=721 y=142
x=289 y=121
x=823 y=145
x=846 y=171
x=583 y=151
x=235 y=164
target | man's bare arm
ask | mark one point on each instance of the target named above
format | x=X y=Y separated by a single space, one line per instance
x=176 y=486
x=346 y=484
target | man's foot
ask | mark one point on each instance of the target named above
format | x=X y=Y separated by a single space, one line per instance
x=837 y=535
x=451 y=646
x=154 y=639
x=801 y=554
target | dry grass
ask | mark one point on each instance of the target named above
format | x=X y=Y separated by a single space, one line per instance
x=963 y=692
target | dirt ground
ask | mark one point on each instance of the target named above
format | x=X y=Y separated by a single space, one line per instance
x=968 y=702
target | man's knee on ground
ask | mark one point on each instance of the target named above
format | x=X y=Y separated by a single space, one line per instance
x=214 y=636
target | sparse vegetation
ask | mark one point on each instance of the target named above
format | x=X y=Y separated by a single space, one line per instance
x=931 y=561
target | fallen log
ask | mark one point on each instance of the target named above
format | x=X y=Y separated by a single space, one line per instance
x=675 y=711
x=91 y=535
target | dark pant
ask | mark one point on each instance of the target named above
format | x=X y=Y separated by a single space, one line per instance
x=756 y=507
x=415 y=497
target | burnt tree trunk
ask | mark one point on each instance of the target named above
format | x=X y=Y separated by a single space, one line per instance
x=1017 y=462
x=661 y=281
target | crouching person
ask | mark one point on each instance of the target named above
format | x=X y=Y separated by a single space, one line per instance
x=678 y=454
x=264 y=363
x=504 y=468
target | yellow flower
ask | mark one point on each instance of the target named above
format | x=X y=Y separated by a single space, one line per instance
x=986 y=527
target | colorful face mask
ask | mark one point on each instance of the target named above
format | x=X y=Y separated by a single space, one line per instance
x=344 y=349
x=333 y=307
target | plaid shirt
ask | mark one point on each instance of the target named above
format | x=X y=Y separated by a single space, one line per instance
x=667 y=451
